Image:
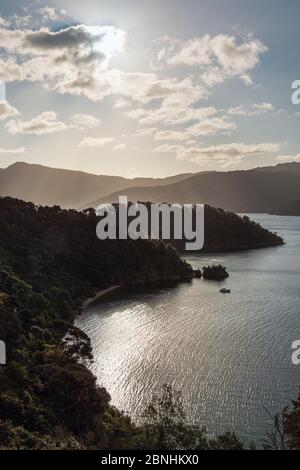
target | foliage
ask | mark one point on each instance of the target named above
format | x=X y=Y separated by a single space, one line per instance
x=291 y=422
x=165 y=427
x=223 y=231
x=50 y=261
x=226 y=231
x=276 y=437
x=215 y=272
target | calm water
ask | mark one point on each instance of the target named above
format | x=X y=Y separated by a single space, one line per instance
x=229 y=354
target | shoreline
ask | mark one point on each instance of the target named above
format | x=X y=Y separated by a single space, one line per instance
x=101 y=293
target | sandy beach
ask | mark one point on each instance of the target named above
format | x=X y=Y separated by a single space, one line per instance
x=99 y=294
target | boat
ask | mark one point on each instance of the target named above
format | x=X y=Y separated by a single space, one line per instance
x=224 y=290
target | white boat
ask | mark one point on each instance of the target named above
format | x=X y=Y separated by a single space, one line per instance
x=224 y=290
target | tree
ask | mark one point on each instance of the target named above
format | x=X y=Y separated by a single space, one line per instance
x=276 y=438
x=291 y=422
x=166 y=426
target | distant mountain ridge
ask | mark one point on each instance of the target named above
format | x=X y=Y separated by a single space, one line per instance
x=257 y=190
x=264 y=189
x=66 y=188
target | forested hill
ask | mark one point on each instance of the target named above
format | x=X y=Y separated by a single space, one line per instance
x=50 y=261
x=59 y=247
x=224 y=231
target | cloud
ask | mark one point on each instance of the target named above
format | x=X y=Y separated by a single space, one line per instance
x=75 y=60
x=171 y=135
x=254 y=110
x=4 y=22
x=10 y=71
x=170 y=112
x=16 y=151
x=120 y=147
x=211 y=126
x=85 y=121
x=264 y=106
x=45 y=123
x=6 y=110
x=68 y=39
x=144 y=132
x=146 y=87
x=121 y=104
x=192 y=52
x=225 y=156
x=21 y=21
x=236 y=149
x=288 y=158
x=237 y=59
x=49 y=13
x=90 y=142
x=76 y=54
x=218 y=57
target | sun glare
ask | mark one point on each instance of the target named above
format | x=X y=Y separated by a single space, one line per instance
x=111 y=40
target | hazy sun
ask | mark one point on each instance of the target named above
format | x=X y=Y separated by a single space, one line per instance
x=111 y=40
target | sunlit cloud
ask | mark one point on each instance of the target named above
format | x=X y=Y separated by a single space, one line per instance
x=171 y=135
x=92 y=143
x=121 y=104
x=85 y=121
x=225 y=156
x=254 y=110
x=170 y=113
x=6 y=110
x=288 y=158
x=211 y=126
x=171 y=102
x=49 y=13
x=144 y=132
x=17 y=151
x=45 y=123
x=121 y=146
x=218 y=57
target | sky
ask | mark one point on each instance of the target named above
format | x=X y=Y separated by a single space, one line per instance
x=140 y=88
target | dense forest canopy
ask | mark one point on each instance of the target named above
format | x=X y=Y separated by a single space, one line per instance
x=50 y=261
x=223 y=230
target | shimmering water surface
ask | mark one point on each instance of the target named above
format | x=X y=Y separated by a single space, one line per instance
x=230 y=355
